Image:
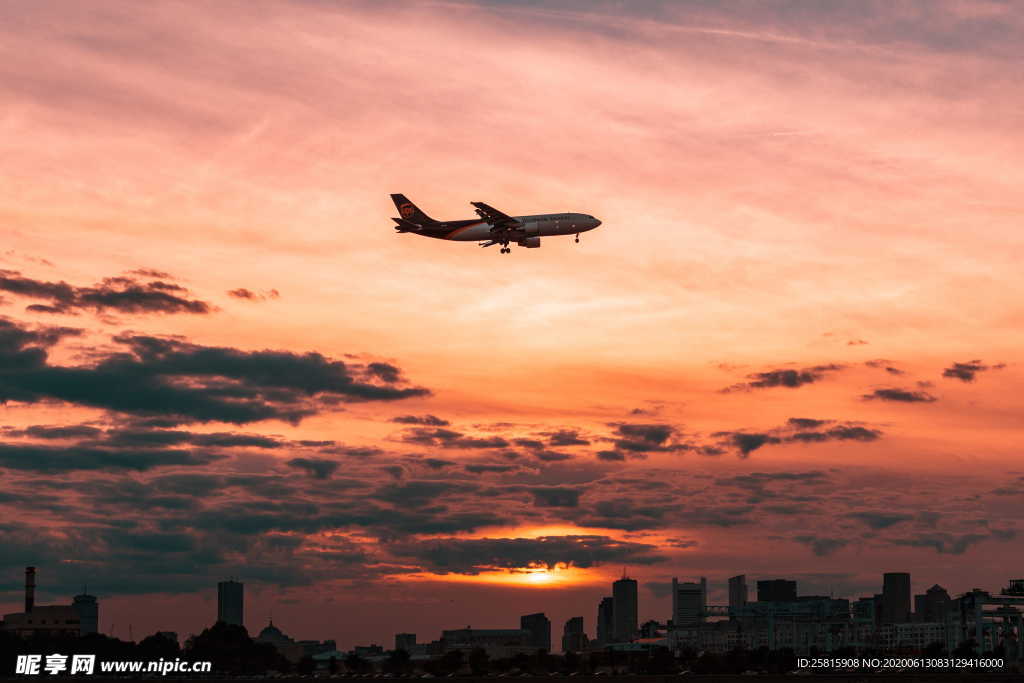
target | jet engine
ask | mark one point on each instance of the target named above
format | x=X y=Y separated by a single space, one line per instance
x=530 y=242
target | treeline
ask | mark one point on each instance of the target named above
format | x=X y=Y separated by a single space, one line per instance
x=229 y=647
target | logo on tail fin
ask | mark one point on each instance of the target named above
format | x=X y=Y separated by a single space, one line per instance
x=407 y=210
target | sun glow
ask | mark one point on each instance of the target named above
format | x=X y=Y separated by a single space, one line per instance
x=537 y=578
x=526 y=577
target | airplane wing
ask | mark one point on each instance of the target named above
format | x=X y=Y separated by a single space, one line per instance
x=496 y=218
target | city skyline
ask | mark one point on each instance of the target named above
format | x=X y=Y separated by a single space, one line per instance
x=793 y=349
x=697 y=610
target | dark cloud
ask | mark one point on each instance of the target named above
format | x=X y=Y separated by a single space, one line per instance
x=611 y=456
x=784 y=378
x=551 y=456
x=426 y=420
x=796 y=430
x=838 y=433
x=119 y=294
x=173 y=379
x=152 y=273
x=318 y=468
x=746 y=443
x=437 y=463
x=966 y=372
x=157 y=437
x=820 y=546
x=353 y=451
x=881 y=520
x=642 y=437
x=566 y=437
x=806 y=422
x=473 y=556
x=556 y=496
x=448 y=438
x=249 y=295
x=421 y=493
x=385 y=372
x=67 y=432
x=900 y=396
x=952 y=544
x=55 y=460
x=883 y=364
x=480 y=468
x=627 y=514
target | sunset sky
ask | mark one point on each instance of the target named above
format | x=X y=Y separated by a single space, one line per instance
x=793 y=348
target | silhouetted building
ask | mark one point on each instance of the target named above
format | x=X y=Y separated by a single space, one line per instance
x=47 y=620
x=574 y=639
x=895 y=598
x=30 y=588
x=933 y=606
x=776 y=590
x=289 y=649
x=737 y=593
x=498 y=643
x=689 y=602
x=810 y=608
x=868 y=611
x=652 y=629
x=88 y=611
x=405 y=641
x=606 y=620
x=539 y=628
x=230 y=602
x=624 y=610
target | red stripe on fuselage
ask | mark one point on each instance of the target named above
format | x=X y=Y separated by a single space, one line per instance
x=464 y=228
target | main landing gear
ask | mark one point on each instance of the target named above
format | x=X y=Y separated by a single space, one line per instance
x=505 y=249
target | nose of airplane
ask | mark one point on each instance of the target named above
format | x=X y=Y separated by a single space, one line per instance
x=597 y=222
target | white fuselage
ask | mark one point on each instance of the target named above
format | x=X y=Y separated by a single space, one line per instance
x=543 y=225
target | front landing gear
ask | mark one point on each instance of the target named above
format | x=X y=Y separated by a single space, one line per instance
x=577 y=238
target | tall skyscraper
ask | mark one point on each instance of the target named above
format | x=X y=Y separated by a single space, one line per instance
x=895 y=598
x=539 y=627
x=689 y=602
x=230 y=602
x=737 y=593
x=776 y=590
x=405 y=641
x=88 y=613
x=624 y=610
x=606 y=620
x=933 y=606
x=574 y=639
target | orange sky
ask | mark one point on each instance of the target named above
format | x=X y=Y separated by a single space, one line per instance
x=832 y=190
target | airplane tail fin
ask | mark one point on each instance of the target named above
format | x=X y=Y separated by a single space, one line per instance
x=409 y=211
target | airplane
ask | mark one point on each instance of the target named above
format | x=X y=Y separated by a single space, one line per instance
x=493 y=226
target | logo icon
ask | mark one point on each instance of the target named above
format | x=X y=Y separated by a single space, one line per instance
x=407 y=210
